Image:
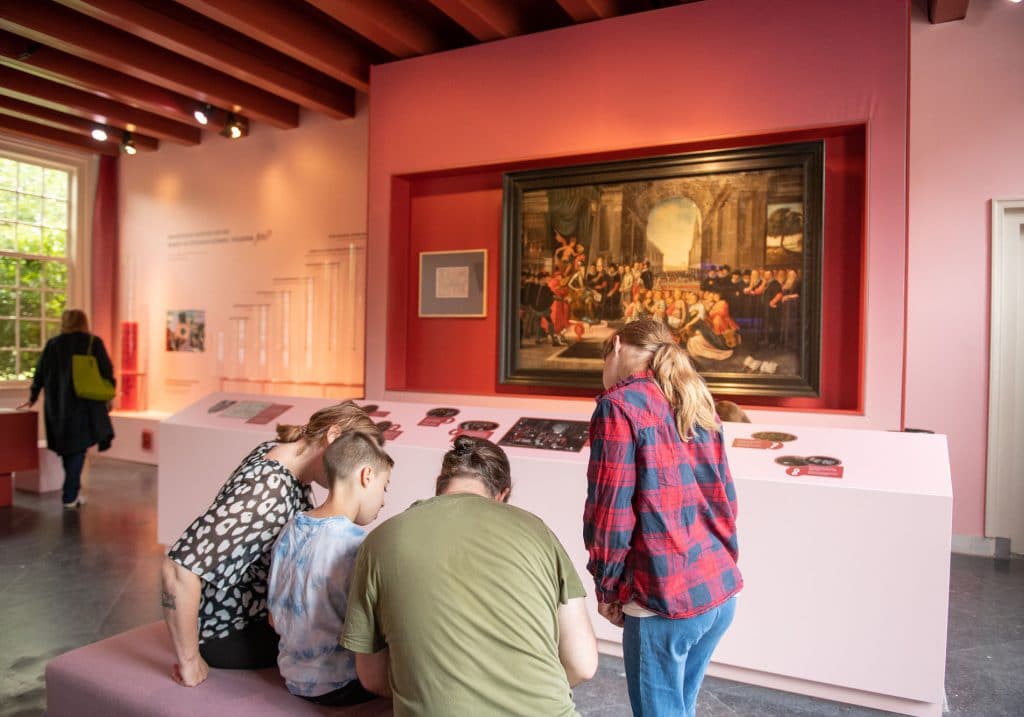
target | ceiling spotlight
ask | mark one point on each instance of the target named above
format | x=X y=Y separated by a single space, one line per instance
x=128 y=144
x=236 y=127
x=203 y=114
x=99 y=134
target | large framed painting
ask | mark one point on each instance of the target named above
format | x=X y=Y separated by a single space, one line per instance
x=723 y=246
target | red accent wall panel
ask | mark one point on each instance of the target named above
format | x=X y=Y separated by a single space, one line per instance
x=462 y=209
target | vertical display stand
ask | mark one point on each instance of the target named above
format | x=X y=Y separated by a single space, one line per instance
x=131 y=394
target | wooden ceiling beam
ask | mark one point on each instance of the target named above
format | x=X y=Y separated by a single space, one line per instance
x=62 y=98
x=588 y=10
x=188 y=33
x=57 y=26
x=52 y=118
x=28 y=56
x=389 y=24
x=50 y=135
x=277 y=24
x=940 y=11
x=485 y=20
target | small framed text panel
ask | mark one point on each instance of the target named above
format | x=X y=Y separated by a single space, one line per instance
x=453 y=284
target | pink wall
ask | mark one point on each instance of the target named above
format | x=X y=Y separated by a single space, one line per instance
x=966 y=147
x=719 y=68
x=304 y=191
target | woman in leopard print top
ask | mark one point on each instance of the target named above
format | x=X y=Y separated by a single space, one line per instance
x=215 y=576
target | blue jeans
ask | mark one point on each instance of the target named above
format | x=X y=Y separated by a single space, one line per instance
x=73 y=464
x=666 y=659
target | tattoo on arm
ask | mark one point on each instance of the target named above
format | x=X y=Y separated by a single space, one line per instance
x=167 y=600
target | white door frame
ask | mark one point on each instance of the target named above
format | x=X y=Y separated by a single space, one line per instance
x=1004 y=487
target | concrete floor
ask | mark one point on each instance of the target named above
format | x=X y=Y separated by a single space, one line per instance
x=69 y=578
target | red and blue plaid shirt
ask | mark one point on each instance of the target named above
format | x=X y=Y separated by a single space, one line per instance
x=660 y=519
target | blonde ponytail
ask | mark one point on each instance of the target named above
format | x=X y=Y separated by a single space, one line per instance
x=683 y=387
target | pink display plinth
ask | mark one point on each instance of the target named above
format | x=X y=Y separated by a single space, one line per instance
x=20 y=431
x=49 y=476
x=833 y=567
x=18 y=451
x=6 y=489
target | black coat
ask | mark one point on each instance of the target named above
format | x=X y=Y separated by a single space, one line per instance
x=72 y=423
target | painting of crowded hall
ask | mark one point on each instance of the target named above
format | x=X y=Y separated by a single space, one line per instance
x=723 y=247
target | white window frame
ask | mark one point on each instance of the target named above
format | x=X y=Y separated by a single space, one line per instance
x=82 y=169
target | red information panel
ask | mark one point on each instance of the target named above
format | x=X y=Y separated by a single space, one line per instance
x=435 y=421
x=822 y=471
x=756 y=443
x=389 y=430
x=439 y=416
x=269 y=413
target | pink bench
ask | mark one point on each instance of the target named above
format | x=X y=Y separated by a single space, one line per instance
x=129 y=674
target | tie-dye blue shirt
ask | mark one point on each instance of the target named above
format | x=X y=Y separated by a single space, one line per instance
x=309 y=574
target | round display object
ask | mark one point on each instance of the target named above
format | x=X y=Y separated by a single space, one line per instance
x=773 y=436
x=791 y=461
x=478 y=425
x=443 y=412
x=823 y=461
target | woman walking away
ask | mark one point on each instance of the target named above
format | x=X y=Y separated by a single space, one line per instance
x=73 y=424
x=660 y=518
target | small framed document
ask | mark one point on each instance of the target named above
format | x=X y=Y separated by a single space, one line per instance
x=453 y=283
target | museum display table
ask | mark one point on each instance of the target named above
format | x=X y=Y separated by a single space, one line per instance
x=844 y=544
x=19 y=450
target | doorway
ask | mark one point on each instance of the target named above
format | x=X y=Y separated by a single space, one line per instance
x=1004 y=499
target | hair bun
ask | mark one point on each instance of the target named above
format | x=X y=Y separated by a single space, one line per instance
x=464 y=445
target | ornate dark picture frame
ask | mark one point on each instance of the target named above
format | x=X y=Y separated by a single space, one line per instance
x=725 y=246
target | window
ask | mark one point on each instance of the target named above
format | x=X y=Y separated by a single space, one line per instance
x=35 y=222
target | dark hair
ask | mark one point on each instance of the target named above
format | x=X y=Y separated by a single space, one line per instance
x=353 y=450
x=347 y=416
x=73 y=320
x=476 y=458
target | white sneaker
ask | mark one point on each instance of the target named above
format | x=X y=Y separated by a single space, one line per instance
x=76 y=503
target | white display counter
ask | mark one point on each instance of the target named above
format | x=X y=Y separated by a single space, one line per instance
x=847 y=579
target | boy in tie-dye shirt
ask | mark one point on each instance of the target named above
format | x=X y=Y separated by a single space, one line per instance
x=310 y=568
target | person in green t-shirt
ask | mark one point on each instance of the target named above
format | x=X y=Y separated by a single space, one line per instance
x=464 y=605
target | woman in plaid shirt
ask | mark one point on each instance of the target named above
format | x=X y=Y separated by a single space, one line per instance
x=660 y=519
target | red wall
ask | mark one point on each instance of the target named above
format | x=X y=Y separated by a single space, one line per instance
x=463 y=210
x=443 y=128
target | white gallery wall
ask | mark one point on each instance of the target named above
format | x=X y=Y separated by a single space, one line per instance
x=259 y=244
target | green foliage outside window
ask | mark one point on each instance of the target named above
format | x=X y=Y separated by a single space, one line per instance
x=34 y=224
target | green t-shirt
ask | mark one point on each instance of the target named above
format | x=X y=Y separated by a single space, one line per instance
x=465 y=591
